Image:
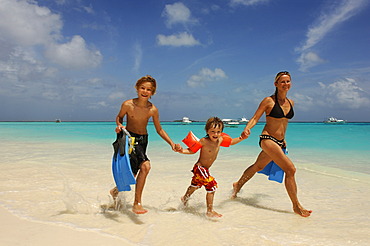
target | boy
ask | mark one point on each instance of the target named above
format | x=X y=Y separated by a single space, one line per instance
x=138 y=111
x=208 y=154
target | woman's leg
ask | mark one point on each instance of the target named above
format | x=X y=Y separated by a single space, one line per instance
x=275 y=152
x=262 y=160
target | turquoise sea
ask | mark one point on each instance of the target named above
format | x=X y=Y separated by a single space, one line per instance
x=61 y=173
x=345 y=147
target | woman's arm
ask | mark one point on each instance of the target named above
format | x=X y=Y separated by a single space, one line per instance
x=257 y=115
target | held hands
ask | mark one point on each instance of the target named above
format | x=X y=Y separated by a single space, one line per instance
x=245 y=134
x=177 y=148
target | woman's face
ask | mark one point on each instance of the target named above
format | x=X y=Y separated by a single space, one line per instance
x=283 y=83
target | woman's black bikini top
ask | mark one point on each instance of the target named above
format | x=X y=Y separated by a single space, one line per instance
x=277 y=111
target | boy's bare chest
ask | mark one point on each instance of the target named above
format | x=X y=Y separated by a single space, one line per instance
x=210 y=151
x=139 y=113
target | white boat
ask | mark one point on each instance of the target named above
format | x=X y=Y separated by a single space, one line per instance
x=333 y=120
x=230 y=123
x=186 y=120
x=243 y=120
x=58 y=120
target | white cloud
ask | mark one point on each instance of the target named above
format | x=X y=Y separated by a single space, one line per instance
x=345 y=92
x=73 y=54
x=25 y=23
x=97 y=105
x=21 y=65
x=138 y=56
x=181 y=39
x=305 y=102
x=116 y=95
x=89 y=9
x=206 y=75
x=309 y=59
x=177 y=13
x=26 y=26
x=247 y=2
x=327 y=21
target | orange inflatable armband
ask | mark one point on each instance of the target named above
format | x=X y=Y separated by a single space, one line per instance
x=192 y=142
x=226 y=140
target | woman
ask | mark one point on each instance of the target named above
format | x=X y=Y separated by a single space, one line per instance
x=278 y=109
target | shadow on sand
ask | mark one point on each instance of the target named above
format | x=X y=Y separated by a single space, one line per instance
x=254 y=202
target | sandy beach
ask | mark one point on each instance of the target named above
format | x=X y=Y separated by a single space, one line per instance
x=20 y=231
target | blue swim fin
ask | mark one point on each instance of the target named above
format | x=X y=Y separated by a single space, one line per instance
x=274 y=172
x=121 y=167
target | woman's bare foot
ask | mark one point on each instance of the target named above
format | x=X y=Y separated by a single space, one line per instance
x=235 y=191
x=301 y=211
x=213 y=214
x=138 y=209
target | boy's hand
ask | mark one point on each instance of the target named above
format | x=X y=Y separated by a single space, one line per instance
x=119 y=128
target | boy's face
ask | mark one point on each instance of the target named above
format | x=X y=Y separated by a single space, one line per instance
x=145 y=90
x=214 y=133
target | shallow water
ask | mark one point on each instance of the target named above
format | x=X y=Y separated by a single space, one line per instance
x=61 y=173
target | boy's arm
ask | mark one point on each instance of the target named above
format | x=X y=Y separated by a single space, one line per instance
x=188 y=151
x=185 y=151
x=237 y=140
x=119 y=117
x=161 y=132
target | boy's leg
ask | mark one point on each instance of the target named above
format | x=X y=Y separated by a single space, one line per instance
x=188 y=193
x=140 y=182
x=210 y=211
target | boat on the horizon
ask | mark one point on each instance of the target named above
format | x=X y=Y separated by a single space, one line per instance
x=243 y=120
x=186 y=120
x=333 y=120
x=230 y=122
x=58 y=120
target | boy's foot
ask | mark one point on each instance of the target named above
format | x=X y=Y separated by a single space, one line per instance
x=213 y=214
x=114 y=193
x=235 y=192
x=301 y=211
x=138 y=209
x=184 y=200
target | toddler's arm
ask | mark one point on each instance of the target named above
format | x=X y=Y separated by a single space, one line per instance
x=238 y=140
x=187 y=151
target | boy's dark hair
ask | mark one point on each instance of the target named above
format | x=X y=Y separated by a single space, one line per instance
x=144 y=79
x=214 y=122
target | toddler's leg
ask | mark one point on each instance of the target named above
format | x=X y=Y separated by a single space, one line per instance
x=188 y=193
x=210 y=211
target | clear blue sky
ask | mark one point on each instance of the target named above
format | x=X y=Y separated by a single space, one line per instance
x=79 y=59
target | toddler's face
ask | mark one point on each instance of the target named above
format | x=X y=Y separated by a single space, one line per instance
x=214 y=133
